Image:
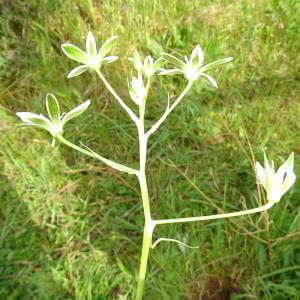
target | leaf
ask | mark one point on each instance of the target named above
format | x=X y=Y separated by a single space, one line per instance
x=35 y=120
x=173 y=60
x=106 y=47
x=53 y=108
x=75 y=112
x=77 y=71
x=75 y=53
x=91 y=45
x=216 y=63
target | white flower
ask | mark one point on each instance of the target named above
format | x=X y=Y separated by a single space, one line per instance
x=137 y=90
x=90 y=59
x=277 y=183
x=193 y=67
x=56 y=121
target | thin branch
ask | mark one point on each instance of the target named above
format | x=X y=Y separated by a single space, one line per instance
x=131 y=114
x=169 y=110
x=93 y=154
x=172 y=240
x=217 y=216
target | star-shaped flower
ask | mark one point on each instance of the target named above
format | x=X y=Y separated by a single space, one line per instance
x=192 y=68
x=277 y=183
x=56 y=121
x=91 y=59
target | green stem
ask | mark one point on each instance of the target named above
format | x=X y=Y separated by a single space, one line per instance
x=148 y=227
x=118 y=98
x=147 y=241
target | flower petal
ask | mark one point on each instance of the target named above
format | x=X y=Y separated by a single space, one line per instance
x=75 y=53
x=109 y=59
x=75 y=112
x=53 y=107
x=286 y=167
x=77 y=71
x=35 y=120
x=158 y=63
x=288 y=182
x=106 y=47
x=137 y=60
x=260 y=171
x=210 y=79
x=173 y=60
x=171 y=72
x=197 y=57
x=216 y=63
x=91 y=45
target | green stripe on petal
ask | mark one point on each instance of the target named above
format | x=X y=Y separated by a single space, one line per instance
x=109 y=59
x=216 y=63
x=210 y=80
x=91 y=45
x=171 y=72
x=52 y=107
x=106 y=47
x=173 y=60
x=75 y=112
x=75 y=53
x=35 y=120
x=77 y=71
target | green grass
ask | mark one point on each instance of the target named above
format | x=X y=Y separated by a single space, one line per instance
x=71 y=228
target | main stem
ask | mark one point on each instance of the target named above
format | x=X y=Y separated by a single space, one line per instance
x=148 y=227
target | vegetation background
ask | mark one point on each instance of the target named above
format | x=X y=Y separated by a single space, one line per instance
x=71 y=228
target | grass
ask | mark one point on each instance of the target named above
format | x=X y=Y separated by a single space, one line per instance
x=71 y=228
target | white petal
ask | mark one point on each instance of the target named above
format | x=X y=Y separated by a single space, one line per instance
x=286 y=167
x=288 y=182
x=171 y=72
x=77 y=71
x=109 y=59
x=260 y=171
x=197 y=57
x=91 y=45
x=75 y=112
x=28 y=117
x=75 y=53
x=210 y=79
